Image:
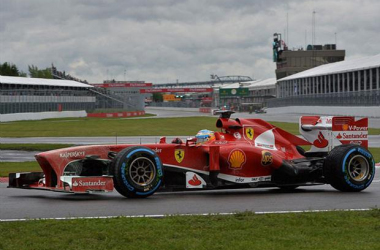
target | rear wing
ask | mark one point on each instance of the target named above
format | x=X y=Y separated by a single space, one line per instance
x=327 y=132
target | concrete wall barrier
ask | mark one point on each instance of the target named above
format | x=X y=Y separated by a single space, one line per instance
x=40 y=115
x=171 y=108
x=118 y=114
x=205 y=110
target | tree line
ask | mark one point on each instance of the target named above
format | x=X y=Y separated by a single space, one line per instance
x=10 y=69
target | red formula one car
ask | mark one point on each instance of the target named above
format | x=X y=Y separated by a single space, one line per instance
x=244 y=153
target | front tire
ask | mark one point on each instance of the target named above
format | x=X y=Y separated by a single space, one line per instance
x=137 y=172
x=349 y=168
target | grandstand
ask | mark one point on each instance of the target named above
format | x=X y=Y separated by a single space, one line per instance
x=23 y=95
x=351 y=83
x=127 y=93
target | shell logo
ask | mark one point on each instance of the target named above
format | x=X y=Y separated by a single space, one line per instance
x=345 y=127
x=236 y=159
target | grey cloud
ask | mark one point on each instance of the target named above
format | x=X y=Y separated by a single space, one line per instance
x=165 y=40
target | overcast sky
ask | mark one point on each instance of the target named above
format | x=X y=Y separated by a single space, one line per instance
x=164 y=40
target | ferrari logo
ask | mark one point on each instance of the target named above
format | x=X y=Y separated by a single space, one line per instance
x=179 y=154
x=249 y=132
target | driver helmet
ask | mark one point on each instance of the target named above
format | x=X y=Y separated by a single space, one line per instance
x=205 y=135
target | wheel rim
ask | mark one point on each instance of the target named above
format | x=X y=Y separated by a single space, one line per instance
x=358 y=168
x=142 y=171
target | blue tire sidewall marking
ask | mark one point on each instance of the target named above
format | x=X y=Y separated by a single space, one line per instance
x=159 y=167
x=139 y=149
x=159 y=171
x=123 y=176
x=368 y=156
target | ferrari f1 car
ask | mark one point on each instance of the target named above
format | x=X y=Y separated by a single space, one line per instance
x=243 y=153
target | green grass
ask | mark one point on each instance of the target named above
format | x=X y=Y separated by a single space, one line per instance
x=376 y=154
x=107 y=127
x=121 y=127
x=16 y=167
x=33 y=147
x=327 y=230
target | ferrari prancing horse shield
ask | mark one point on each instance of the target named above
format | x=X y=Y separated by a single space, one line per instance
x=249 y=132
x=179 y=154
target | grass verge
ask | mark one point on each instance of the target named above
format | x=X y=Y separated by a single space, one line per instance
x=33 y=147
x=326 y=230
x=107 y=127
x=15 y=167
x=121 y=127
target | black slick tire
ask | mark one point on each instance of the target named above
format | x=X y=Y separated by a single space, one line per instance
x=349 y=168
x=137 y=172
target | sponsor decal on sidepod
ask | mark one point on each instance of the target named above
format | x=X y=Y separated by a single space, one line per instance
x=266 y=158
x=72 y=154
x=81 y=183
x=236 y=159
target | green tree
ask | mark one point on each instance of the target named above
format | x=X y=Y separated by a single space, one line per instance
x=158 y=97
x=39 y=73
x=9 y=69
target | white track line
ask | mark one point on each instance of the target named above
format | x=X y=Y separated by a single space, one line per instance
x=204 y=214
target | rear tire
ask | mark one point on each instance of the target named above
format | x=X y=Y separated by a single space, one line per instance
x=137 y=172
x=349 y=168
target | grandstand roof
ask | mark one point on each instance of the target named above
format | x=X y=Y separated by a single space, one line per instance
x=338 y=67
x=44 y=82
x=256 y=84
x=259 y=84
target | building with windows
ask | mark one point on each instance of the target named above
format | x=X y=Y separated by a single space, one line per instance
x=23 y=98
x=289 y=62
x=126 y=94
x=354 y=83
x=28 y=95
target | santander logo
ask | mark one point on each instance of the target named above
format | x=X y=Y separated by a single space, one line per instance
x=195 y=181
x=321 y=142
x=81 y=183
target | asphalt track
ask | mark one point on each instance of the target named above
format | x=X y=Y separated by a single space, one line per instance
x=31 y=204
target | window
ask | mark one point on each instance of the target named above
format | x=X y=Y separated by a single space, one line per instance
x=349 y=81
x=374 y=78
x=356 y=80
x=368 y=79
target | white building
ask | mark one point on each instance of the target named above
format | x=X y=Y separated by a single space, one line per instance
x=331 y=88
